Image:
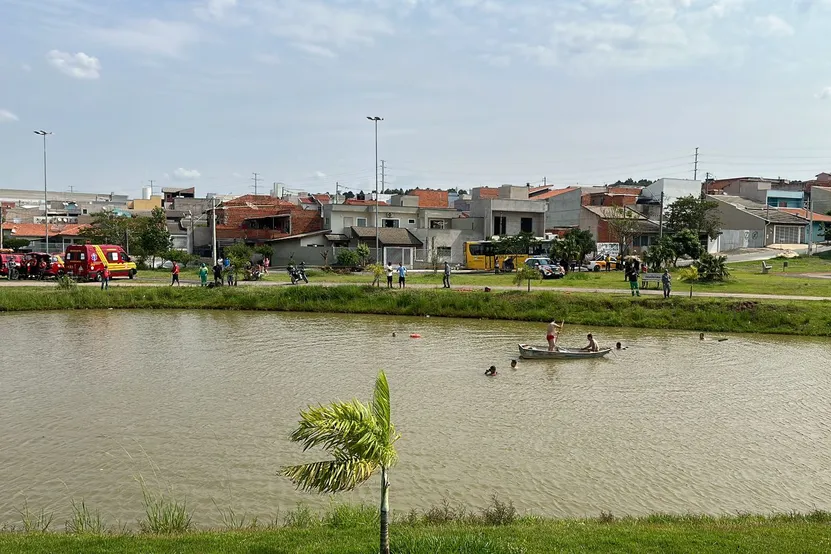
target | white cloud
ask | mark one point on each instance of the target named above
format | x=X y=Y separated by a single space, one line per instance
x=315 y=50
x=825 y=94
x=320 y=175
x=78 y=65
x=773 y=26
x=7 y=117
x=182 y=174
x=267 y=59
x=496 y=60
x=150 y=36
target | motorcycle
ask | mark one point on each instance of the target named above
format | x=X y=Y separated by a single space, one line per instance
x=297 y=274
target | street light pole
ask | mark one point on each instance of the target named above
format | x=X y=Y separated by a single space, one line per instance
x=45 y=195
x=376 y=119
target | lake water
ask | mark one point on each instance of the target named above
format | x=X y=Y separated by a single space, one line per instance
x=204 y=402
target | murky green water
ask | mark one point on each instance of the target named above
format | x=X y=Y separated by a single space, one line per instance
x=204 y=402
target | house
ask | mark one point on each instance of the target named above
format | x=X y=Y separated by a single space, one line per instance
x=596 y=220
x=816 y=230
x=749 y=224
x=439 y=230
x=821 y=199
x=509 y=212
x=657 y=196
x=170 y=194
x=60 y=235
x=779 y=193
x=564 y=206
x=609 y=195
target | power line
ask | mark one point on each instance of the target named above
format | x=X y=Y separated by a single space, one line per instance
x=256 y=179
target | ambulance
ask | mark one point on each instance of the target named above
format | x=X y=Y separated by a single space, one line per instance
x=86 y=262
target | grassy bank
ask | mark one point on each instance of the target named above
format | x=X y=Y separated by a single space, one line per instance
x=704 y=314
x=659 y=533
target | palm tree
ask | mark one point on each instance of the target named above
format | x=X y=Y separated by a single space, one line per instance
x=361 y=439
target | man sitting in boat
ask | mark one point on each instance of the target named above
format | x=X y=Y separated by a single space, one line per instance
x=592 y=346
x=551 y=335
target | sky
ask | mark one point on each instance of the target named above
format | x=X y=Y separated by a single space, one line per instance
x=473 y=92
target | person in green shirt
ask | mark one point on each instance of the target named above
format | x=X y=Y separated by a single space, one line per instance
x=203 y=275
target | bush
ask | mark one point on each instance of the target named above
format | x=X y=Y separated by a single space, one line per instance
x=65 y=282
x=348 y=258
x=688 y=274
x=712 y=268
x=363 y=253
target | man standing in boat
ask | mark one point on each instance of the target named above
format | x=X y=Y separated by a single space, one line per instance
x=551 y=335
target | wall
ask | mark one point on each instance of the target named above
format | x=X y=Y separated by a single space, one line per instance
x=564 y=210
x=821 y=198
x=452 y=238
x=514 y=211
x=286 y=250
x=673 y=189
x=732 y=239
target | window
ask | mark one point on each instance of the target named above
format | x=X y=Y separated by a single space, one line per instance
x=389 y=223
x=112 y=256
x=411 y=222
x=349 y=222
x=526 y=225
x=443 y=252
x=327 y=222
x=437 y=224
x=500 y=226
x=361 y=222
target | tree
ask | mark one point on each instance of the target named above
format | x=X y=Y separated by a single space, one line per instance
x=151 y=235
x=699 y=215
x=623 y=224
x=525 y=273
x=361 y=438
x=361 y=196
x=108 y=227
x=522 y=243
x=662 y=253
x=827 y=229
x=393 y=191
x=363 y=253
x=15 y=243
x=348 y=194
x=686 y=243
x=568 y=249
x=264 y=250
x=583 y=241
x=348 y=258
x=240 y=255
x=632 y=183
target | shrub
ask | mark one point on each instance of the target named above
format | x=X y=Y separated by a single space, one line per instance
x=65 y=282
x=688 y=274
x=363 y=253
x=712 y=268
x=348 y=258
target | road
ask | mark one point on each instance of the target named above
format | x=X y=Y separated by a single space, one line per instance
x=680 y=291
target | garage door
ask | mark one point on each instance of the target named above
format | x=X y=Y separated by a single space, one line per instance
x=789 y=234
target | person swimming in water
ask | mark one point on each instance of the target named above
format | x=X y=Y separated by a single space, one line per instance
x=491 y=371
x=513 y=364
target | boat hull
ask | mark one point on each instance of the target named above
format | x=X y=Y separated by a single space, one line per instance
x=528 y=352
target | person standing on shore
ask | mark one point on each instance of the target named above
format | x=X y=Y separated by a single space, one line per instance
x=633 y=278
x=402 y=276
x=203 y=275
x=389 y=275
x=666 y=280
x=446 y=278
x=174 y=275
x=218 y=274
x=105 y=278
x=551 y=335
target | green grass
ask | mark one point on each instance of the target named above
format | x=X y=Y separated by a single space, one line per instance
x=700 y=314
x=657 y=533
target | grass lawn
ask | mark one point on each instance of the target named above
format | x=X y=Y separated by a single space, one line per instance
x=746 y=277
x=655 y=534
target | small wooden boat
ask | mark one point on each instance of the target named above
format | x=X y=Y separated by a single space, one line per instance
x=526 y=351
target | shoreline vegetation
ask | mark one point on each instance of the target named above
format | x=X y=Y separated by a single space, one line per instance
x=496 y=529
x=785 y=317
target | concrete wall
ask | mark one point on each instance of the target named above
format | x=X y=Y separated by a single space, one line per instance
x=513 y=211
x=732 y=239
x=286 y=250
x=673 y=189
x=821 y=198
x=564 y=210
x=338 y=216
x=452 y=238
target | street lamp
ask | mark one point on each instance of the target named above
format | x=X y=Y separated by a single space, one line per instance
x=45 y=196
x=376 y=119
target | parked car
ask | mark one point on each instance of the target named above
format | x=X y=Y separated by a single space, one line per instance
x=547 y=267
x=10 y=260
x=86 y=262
x=599 y=264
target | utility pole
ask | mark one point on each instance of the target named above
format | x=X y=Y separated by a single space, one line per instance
x=151 y=186
x=545 y=181
x=1 y=229
x=383 y=180
x=695 y=171
x=661 y=219
x=337 y=188
x=256 y=179
x=213 y=230
x=810 y=225
x=44 y=134
x=375 y=120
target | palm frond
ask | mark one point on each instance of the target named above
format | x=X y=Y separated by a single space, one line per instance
x=330 y=476
x=381 y=402
x=346 y=426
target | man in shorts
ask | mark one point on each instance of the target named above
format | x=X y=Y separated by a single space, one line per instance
x=551 y=335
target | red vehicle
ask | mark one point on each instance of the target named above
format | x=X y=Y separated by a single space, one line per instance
x=40 y=265
x=10 y=260
x=87 y=261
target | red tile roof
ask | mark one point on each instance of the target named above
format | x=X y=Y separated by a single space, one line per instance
x=232 y=213
x=485 y=192
x=256 y=201
x=552 y=193
x=38 y=229
x=806 y=215
x=431 y=198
